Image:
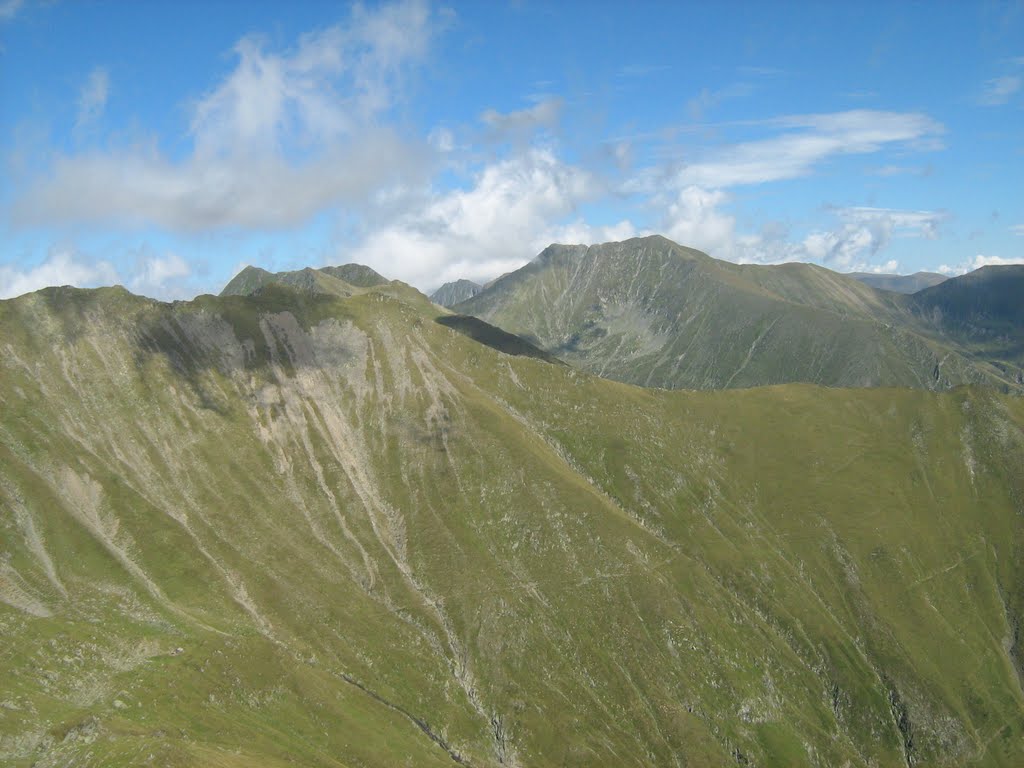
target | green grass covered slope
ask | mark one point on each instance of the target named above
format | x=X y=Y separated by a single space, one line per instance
x=300 y=528
x=337 y=281
x=650 y=312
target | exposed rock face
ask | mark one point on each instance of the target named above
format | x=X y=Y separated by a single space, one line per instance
x=450 y=294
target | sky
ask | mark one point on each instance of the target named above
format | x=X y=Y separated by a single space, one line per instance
x=165 y=145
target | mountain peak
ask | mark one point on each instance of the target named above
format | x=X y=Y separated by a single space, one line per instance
x=341 y=280
x=454 y=292
x=651 y=312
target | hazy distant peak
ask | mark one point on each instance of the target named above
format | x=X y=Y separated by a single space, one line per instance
x=900 y=283
x=450 y=294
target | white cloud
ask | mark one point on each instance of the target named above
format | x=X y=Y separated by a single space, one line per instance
x=516 y=206
x=693 y=219
x=862 y=234
x=266 y=191
x=909 y=223
x=808 y=141
x=281 y=138
x=999 y=90
x=160 y=277
x=890 y=267
x=92 y=99
x=62 y=267
x=978 y=262
x=1018 y=229
x=513 y=210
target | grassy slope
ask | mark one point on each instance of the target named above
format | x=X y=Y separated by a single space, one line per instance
x=378 y=542
x=650 y=312
x=343 y=281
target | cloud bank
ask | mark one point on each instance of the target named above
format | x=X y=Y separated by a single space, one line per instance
x=281 y=138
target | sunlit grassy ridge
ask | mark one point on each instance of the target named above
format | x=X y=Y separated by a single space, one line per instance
x=377 y=541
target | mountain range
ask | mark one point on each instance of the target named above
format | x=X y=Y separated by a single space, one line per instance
x=900 y=283
x=321 y=520
x=650 y=312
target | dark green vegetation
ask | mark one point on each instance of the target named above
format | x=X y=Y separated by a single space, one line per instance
x=450 y=294
x=900 y=283
x=324 y=528
x=650 y=312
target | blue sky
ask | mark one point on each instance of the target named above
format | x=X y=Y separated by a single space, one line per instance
x=163 y=145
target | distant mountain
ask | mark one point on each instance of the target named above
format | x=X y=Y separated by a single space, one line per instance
x=988 y=300
x=339 y=281
x=358 y=275
x=648 y=311
x=299 y=528
x=450 y=294
x=983 y=310
x=900 y=283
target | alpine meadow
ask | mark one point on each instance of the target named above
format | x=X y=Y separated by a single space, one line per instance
x=525 y=385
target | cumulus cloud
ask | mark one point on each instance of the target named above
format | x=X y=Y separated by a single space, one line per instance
x=890 y=267
x=62 y=267
x=862 y=233
x=807 y=141
x=160 y=277
x=693 y=219
x=978 y=262
x=696 y=218
x=513 y=209
x=92 y=99
x=284 y=136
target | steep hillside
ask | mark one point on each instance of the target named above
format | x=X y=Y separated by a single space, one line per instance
x=983 y=310
x=295 y=528
x=650 y=312
x=450 y=294
x=900 y=283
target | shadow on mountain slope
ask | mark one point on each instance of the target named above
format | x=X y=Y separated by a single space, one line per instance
x=495 y=338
